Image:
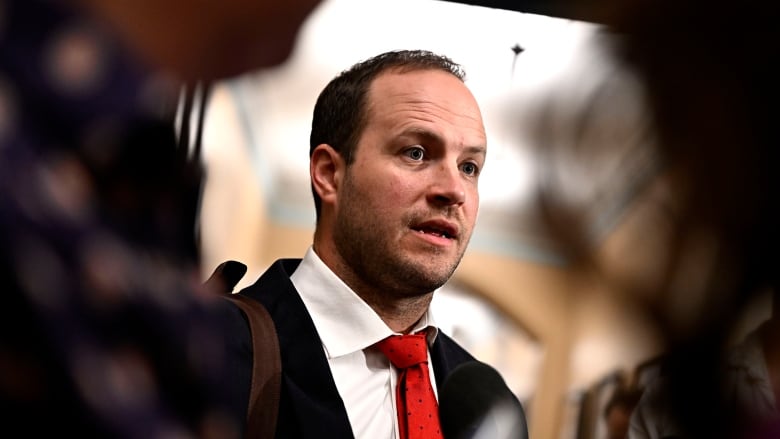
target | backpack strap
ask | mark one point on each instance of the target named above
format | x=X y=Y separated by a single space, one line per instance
x=266 y=369
x=266 y=362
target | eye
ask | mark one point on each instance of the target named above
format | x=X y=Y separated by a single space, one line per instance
x=470 y=168
x=415 y=153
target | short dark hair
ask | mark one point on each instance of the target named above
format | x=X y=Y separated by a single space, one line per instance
x=340 y=112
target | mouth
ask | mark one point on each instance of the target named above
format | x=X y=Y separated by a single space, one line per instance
x=437 y=228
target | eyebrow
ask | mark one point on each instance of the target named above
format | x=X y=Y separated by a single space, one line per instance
x=422 y=133
x=431 y=136
x=477 y=150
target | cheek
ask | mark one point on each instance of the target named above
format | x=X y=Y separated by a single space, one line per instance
x=399 y=191
x=472 y=204
x=378 y=196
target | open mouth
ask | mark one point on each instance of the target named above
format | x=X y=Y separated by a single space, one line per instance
x=434 y=232
x=438 y=229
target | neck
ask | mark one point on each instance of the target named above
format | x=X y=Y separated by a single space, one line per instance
x=400 y=310
x=400 y=315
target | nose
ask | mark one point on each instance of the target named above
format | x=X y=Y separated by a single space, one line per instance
x=447 y=187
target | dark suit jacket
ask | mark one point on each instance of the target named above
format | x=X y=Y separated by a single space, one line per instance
x=310 y=405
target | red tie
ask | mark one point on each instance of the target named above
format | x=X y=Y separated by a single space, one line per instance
x=418 y=412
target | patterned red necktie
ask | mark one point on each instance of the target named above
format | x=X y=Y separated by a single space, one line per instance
x=418 y=411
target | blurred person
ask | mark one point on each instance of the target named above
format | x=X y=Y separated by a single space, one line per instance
x=711 y=95
x=749 y=387
x=396 y=151
x=709 y=76
x=617 y=412
x=106 y=330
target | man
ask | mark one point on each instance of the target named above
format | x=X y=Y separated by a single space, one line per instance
x=397 y=147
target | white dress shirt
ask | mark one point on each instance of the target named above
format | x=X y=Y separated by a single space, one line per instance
x=348 y=329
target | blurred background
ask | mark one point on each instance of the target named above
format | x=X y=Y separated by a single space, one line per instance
x=563 y=119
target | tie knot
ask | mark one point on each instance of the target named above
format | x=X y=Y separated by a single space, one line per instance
x=405 y=350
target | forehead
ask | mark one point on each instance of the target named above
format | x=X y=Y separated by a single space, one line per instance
x=424 y=96
x=418 y=86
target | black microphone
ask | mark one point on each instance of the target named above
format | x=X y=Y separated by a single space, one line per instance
x=475 y=402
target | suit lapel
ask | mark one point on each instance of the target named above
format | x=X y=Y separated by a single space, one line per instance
x=446 y=355
x=310 y=405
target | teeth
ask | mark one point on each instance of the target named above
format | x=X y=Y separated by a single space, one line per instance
x=434 y=233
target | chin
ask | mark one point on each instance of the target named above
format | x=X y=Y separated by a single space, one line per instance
x=432 y=278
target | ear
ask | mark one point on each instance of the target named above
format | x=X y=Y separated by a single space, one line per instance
x=326 y=168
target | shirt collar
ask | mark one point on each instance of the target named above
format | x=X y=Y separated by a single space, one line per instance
x=344 y=322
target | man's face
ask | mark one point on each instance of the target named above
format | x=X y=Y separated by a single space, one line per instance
x=409 y=201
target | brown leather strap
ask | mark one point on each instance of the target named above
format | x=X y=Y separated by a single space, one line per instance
x=266 y=369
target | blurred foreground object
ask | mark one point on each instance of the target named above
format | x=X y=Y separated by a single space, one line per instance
x=708 y=74
x=476 y=403
x=106 y=329
x=206 y=39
